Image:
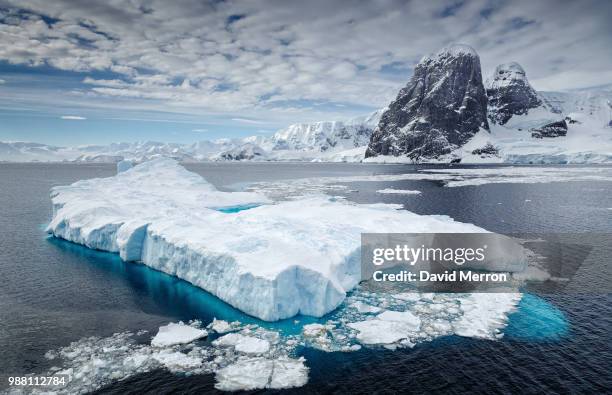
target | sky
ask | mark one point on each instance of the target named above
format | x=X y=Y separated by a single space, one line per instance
x=79 y=72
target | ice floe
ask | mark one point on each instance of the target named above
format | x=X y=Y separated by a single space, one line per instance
x=180 y=333
x=254 y=373
x=449 y=177
x=221 y=326
x=252 y=357
x=398 y=191
x=243 y=344
x=272 y=261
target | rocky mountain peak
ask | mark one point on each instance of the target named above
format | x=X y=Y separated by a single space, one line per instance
x=510 y=93
x=441 y=108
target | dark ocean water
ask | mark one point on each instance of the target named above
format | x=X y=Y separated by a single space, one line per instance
x=53 y=292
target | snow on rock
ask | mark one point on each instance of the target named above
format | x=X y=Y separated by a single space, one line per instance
x=256 y=373
x=173 y=334
x=273 y=261
x=553 y=129
x=510 y=93
x=327 y=135
x=247 y=151
x=244 y=344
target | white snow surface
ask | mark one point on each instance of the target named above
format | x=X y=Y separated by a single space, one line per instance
x=398 y=191
x=242 y=343
x=273 y=261
x=177 y=333
x=255 y=373
x=388 y=327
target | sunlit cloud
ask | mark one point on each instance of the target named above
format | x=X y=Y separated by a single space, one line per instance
x=73 y=117
x=250 y=121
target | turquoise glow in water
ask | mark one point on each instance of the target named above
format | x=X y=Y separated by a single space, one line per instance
x=537 y=320
x=235 y=209
x=534 y=320
x=172 y=296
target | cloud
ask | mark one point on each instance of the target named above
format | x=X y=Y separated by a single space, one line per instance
x=250 y=121
x=199 y=130
x=573 y=79
x=2 y=82
x=73 y=117
x=273 y=58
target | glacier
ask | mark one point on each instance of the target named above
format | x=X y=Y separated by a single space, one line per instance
x=272 y=261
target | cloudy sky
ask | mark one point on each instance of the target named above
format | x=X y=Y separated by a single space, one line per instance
x=77 y=72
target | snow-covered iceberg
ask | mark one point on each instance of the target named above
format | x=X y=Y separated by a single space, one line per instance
x=272 y=260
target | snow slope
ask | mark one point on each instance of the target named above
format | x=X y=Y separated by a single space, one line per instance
x=272 y=261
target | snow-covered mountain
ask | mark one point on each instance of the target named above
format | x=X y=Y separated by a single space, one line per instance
x=525 y=126
x=326 y=136
x=28 y=152
x=304 y=141
x=510 y=93
x=441 y=108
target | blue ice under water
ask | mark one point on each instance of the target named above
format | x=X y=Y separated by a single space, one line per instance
x=536 y=320
x=238 y=208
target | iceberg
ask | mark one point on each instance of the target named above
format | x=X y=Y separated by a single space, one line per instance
x=272 y=260
x=173 y=334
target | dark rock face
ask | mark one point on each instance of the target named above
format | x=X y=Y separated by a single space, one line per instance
x=553 y=129
x=245 y=152
x=440 y=109
x=488 y=150
x=510 y=94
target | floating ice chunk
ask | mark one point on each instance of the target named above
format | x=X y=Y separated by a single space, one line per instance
x=289 y=373
x=257 y=373
x=316 y=336
x=377 y=331
x=221 y=326
x=273 y=261
x=314 y=330
x=243 y=344
x=388 y=327
x=176 y=361
x=173 y=334
x=246 y=374
x=485 y=314
x=412 y=321
x=365 y=308
x=398 y=191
